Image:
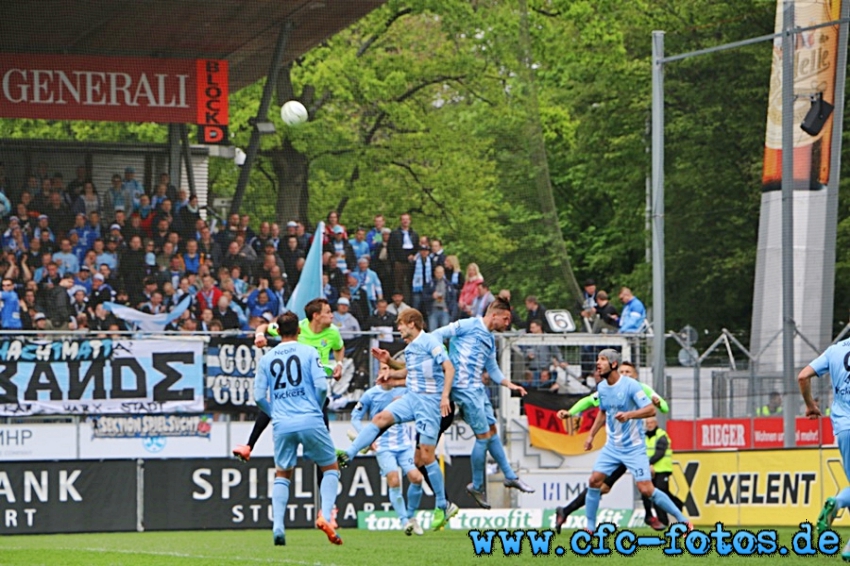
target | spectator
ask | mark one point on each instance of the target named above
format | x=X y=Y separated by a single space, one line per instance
x=226 y=315
x=381 y=318
x=537 y=312
x=154 y=305
x=335 y=275
x=261 y=301
x=349 y=327
x=357 y=298
x=330 y=228
x=224 y=237
x=423 y=274
x=205 y=320
x=100 y=319
x=10 y=312
x=116 y=198
x=398 y=305
x=374 y=237
x=258 y=242
x=587 y=305
x=83 y=279
x=210 y=249
x=606 y=315
x=329 y=292
x=57 y=305
x=187 y=218
x=359 y=244
x=469 y=291
x=443 y=296
x=209 y=294
x=485 y=297
x=368 y=281
x=88 y=201
x=278 y=289
x=101 y=291
x=65 y=258
x=402 y=253
x=438 y=255
x=340 y=249
x=773 y=408
x=539 y=358
x=132 y=186
x=380 y=262
x=516 y=320
x=633 y=316
x=290 y=255
x=145 y=213
x=170 y=190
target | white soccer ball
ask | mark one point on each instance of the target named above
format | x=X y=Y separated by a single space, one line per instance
x=293 y=113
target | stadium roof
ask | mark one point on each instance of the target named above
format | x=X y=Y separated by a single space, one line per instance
x=242 y=32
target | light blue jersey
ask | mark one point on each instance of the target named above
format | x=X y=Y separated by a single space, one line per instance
x=373 y=401
x=424 y=357
x=836 y=360
x=472 y=351
x=298 y=386
x=625 y=395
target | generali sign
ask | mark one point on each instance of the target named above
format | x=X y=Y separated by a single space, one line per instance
x=55 y=87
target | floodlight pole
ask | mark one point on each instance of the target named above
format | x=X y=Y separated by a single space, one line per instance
x=658 y=338
x=262 y=115
x=788 y=326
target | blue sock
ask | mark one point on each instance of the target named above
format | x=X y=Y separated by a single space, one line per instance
x=591 y=505
x=367 y=436
x=436 y=477
x=479 y=462
x=664 y=502
x=328 y=489
x=842 y=500
x=494 y=445
x=397 y=499
x=414 y=496
x=280 y=497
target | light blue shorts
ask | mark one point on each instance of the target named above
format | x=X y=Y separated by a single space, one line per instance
x=634 y=459
x=392 y=460
x=472 y=403
x=316 y=442
x=488 y=411
x=424 y=409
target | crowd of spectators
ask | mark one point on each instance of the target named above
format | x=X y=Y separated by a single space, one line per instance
x=67 y=248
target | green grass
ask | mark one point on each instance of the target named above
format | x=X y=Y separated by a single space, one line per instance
x=308 y=548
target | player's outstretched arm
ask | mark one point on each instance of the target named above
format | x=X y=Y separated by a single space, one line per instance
x=449 y=376
x=656 y=399
x=804 y=381
x=584 y=404
x=384 y=357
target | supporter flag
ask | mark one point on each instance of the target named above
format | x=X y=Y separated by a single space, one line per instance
x=547 y=431
x=149 y=322
x=310 y=284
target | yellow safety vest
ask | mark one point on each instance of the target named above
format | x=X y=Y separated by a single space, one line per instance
x=665 y=464
x=764 y=411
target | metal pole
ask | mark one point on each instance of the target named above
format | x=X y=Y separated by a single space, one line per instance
x=262 y=115
x=174 y=154
x=658 y=346
x=788 y=326
x=187 y=159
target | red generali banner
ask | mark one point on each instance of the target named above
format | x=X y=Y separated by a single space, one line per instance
x=745 y=434
x=116 y=89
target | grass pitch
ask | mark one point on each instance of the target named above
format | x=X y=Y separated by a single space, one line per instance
x=311 y=548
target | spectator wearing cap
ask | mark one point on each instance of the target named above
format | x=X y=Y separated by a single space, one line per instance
x=401 y=250
x=349 y=327
x=83 y=279
x=359 y=244
x=369 y=282
x=132 y=185
x=65 y=258
x=423 y=279
x=115 y=198
x=587 y=303
x=79 y=302
x=40 y=323
x=87 y=201
x=341 y=249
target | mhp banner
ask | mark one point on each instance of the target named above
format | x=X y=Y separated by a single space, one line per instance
x=100 y=376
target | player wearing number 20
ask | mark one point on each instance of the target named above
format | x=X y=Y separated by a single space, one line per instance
x=293 y=375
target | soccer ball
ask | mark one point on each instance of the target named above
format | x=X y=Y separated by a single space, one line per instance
x=293 y=113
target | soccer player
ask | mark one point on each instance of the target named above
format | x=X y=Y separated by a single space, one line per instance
x=834 y=361
x=298 y=384
x=317 y=331
x=472 y=350
x=429 y=375
x=622 y=403
x=394 y=450
x=629 y=370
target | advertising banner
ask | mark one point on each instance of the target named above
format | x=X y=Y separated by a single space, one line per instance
x=762 y=487
x=38 y=442
x=146 y=426
x=90 y=377
x=226 y=494
x=554 y=489
x=115 y=89
x=67 y=497
x=747 y=434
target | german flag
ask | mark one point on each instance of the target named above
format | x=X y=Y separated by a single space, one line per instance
x=547 y=431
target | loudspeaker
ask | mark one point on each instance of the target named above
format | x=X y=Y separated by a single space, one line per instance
x=817 y=116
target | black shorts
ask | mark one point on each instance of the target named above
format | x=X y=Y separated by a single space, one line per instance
x=615 y=475
x=445 y=422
